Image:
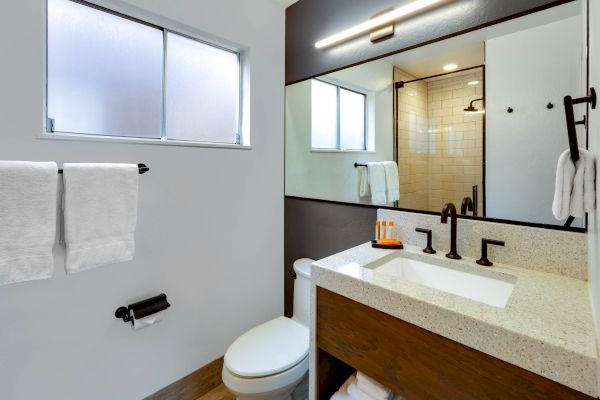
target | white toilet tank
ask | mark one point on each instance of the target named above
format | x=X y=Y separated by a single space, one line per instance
x=302 y=291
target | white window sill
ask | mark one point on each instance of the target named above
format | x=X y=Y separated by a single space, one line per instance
x=341 y=151
x=117 y=139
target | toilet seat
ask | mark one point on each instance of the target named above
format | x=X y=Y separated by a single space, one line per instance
x=268 y=349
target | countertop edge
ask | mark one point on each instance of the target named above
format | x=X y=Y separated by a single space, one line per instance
x=575 y=370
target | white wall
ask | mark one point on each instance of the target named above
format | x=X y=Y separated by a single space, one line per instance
x=210 y=230
x=526 y=70
x=331 y=175
x=594 y=146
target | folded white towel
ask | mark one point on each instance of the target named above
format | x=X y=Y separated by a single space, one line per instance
x=100 y=214
x=565 y=174
x=363 y=182
x=583 y=195
x=371 y=387
x=392 y=182
x=342 y=393
x=377 y=182
x=27 y=220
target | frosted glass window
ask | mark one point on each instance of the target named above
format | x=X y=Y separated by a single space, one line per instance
x=352 y=120
x=338 y=117
x=203 y=84
x=105 y=72
x=324 y=115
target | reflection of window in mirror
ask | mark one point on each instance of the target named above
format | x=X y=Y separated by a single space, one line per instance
x=338 y=117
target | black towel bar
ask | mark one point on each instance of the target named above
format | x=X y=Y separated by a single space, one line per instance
x=142 y=169
x=572 y=124
x=572 y=128
x=356 y=165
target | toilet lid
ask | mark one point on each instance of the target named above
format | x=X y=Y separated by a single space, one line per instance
x=268 y=349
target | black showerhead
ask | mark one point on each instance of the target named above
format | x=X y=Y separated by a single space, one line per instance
x=471 y=108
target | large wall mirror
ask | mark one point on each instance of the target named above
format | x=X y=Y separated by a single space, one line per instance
x=476 y=119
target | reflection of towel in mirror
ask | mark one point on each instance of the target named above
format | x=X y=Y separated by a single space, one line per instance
x=363 y=182
x=575 y=190
x=377 y=182
x=392 y=181
x=583 y=195
x=565 y=173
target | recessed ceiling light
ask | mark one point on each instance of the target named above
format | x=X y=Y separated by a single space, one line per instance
x=450 y=67
x=473 y=83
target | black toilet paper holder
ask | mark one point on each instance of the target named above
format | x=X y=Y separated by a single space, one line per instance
x=142 y=308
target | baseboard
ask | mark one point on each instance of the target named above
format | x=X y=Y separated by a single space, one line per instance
x=194 y=385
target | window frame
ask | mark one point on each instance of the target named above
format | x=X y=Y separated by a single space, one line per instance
x=166 y=26
x=338 y=148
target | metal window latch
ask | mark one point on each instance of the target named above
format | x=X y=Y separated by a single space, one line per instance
x=50 y=124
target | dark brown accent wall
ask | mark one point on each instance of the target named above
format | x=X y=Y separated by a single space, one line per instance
x=317 y=229
x=308 y=21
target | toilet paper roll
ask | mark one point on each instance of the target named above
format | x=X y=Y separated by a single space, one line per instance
x=147 y=321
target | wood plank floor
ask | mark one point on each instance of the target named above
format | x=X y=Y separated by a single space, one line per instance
x=218 y=393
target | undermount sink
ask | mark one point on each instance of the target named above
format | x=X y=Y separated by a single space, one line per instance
x=485 y=287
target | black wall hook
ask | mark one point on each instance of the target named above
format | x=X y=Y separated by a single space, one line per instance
x=549 y=106
x=509 y=110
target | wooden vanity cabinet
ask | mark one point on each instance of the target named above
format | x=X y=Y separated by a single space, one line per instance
x=414 y=362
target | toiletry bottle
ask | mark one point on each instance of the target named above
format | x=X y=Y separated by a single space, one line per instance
x=383 y=230
x=391 y=230
x=377 y=229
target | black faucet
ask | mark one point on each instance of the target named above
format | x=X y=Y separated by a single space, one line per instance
x=451 y=208
x=484 y=251
x=466 y=205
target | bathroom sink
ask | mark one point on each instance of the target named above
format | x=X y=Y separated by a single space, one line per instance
x=460 y=279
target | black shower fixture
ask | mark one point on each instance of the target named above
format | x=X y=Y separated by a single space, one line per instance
x=471 y=108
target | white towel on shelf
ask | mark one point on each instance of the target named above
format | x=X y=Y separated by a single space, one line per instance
x=565 y=174
x=371 y=387
x=342 y=393
x=392 y=181
x=376 y=172
x=583 y=195
x=363 y=182
x=27 y=220
x=100 y=214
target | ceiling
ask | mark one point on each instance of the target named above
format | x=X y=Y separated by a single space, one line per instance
x=468 y=50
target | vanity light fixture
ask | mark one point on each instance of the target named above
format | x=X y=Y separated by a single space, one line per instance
x=450 y=67
x=473 y=83
x=376 y=22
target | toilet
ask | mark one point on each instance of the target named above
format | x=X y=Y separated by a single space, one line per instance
x=270 y=361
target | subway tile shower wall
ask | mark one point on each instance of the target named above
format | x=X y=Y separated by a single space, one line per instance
x=440 y=147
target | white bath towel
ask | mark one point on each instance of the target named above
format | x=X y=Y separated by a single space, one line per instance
x=565 y=174
x=27 y=220
x=392 y=181
x=342 y=393
x=363 y=182
x=100 y=214
x=583 y=194
x=371 y=387
x=377 y=183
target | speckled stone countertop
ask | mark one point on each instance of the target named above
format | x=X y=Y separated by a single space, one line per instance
x=546 y=327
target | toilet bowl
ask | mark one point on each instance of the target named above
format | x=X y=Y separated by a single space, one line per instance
x=270 y=361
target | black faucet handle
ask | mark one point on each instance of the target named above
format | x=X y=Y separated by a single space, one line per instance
x=428 y=249
x=484 y=256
